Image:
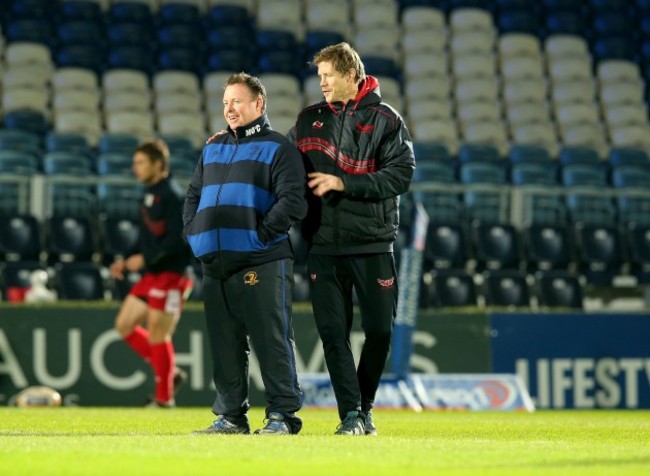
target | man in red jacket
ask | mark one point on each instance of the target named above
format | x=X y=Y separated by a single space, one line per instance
x=359 y=158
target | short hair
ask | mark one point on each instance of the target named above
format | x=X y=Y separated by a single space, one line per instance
x=156 y=150
x=343 y=57
x=251 y=82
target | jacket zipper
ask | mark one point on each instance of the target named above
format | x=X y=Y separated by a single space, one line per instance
x=336 y=170
x=216 y=202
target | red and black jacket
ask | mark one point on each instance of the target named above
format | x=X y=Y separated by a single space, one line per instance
x=366 y=143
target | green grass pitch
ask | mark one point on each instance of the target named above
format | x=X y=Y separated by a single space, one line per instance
x=130 y=441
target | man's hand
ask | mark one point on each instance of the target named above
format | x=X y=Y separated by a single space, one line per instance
x=117 y=269
x=321 y=183
x=134 y=262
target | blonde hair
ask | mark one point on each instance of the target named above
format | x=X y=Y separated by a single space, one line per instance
x=344 y=58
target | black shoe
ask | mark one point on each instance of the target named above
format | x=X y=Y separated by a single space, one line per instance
x=275 y=425
x=370 y=428
x=352 y=424
x=221 y=426
x=180 y=377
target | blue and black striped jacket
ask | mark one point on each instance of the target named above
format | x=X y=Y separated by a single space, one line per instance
x=246 y=192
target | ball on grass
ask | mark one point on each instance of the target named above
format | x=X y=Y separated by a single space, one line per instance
x=38 y=396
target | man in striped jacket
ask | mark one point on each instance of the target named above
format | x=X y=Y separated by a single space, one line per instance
x=246 y=192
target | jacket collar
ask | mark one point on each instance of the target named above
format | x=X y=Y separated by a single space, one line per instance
x=258 y=126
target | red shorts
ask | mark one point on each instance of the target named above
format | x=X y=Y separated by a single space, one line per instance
x=164 y=291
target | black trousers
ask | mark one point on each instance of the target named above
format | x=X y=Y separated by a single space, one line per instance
x=254 y=304
x=332 y=280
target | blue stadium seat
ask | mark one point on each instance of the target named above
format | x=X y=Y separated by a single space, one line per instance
x=66 y=163
x=229 y=61
x=542 y=207
x=529 y=173
x=128 y=34
x=80 y=32
x=558 y=289
x=281 y=61
x=69 y=238
x=228 y=15
x=88 y=56
x=32 y=8
x=483 y=172
x=125 y=11
x=181 y=167
x=599 y=252
x=478 y=153
x=81 y=10
x=181 y=146
x=496 y=246
x=552 y=6
x=615 y=47
x=119 y=200
x=631 y=176
x=518 y=21
x=433 y=171
x=10 y=201
x=70 y=142
x=130 y=57
x=611 y=24
x=20 y=238
x=175 y=13
x=381 y=66
x=117 y=143
x=578 y=155
x=505 y=5
x=469 y=4
x=590 y=175
x=22 y=141
x=180 y=59
x=16 y=162
x=520 y=153
x=590 y=208
x=446 y=246
x=274 y=40
x=180 y=35
x=506 y=288
x=547 y=246
x=628 y=156
x=227 y=37
x=34 y=30
x=120 y=237
x=115 y=164
x=27 y=120
x=454 y=288
x=483 y=205
x=79 y=281
x=633 y=207
x=73 y=199
x=610 y=5
x=565 y=22
x=430 y=151
x=441 y=206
